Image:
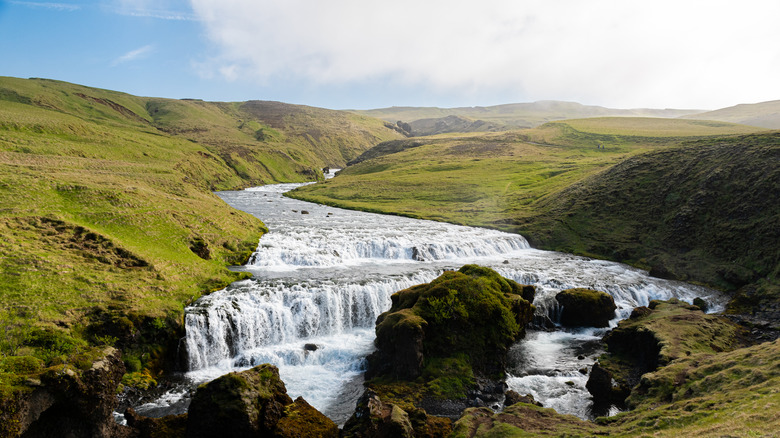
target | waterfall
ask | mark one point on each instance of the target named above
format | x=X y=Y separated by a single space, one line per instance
x=226 y=327
x=308 y=247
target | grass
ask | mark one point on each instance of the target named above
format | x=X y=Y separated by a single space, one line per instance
x=481 y=179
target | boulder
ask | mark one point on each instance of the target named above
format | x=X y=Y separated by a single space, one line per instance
x=605 y=389
x=474 y=312
x=586 y=307
x=513 y=397
x=68 y=401
x=252 y=403
x=301 y=420
x=375 y=419
x=146 y=427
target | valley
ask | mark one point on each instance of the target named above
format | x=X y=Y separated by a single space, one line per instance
x=111 y=230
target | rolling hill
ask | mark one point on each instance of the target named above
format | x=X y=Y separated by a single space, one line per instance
x=518 y=115
x=764 y=114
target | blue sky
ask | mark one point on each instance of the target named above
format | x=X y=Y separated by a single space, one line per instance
x=371 y=53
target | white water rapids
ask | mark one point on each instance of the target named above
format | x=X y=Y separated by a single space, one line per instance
x=322 y=275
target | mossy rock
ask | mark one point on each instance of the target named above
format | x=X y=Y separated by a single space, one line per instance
x=586 y=307
x=301 y=420
x=239 y=404
x=473 y=313
x=654 y=337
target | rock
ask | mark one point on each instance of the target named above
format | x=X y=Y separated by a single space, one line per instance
x=586 y=307
x=373 y=418
x=701 y=304
x=304 y=212
x=473 y=312
x=311 y=347
x=301 y=420
x=639 y=312
x=145 y=427
x=604 y=389
x=512 y=398
x=68 y=402
x=399 y=341
x=253 y=403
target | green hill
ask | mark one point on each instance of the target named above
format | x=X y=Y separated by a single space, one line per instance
x=108 y=221
x=518 y=115
x=764 y=114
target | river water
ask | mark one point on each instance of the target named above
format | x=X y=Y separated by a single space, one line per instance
x=322 y=275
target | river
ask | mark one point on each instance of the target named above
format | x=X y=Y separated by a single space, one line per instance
x=322 y=275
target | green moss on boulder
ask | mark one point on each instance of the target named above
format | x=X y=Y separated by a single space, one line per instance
x=473 y=312
x=252 y=403
x=586 y=307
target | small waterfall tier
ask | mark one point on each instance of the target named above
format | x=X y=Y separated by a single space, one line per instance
x=226 y=328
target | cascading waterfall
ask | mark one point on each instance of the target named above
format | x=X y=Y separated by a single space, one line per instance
x=224 y=328
x=322 y=276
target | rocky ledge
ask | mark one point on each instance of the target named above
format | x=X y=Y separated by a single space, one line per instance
x=652 y=337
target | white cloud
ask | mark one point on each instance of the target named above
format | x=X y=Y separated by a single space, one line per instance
x=48 y=5
x=160 y=9
x=672 y=53
x=133 y=55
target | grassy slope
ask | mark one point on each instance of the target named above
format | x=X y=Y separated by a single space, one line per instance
x=105 y=201
x=518 y=115
x=483 y=179
x=764 y=114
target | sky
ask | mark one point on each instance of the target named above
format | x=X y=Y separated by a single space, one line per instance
x=362 y=54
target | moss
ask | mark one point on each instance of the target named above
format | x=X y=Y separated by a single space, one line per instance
x=141 y=379
x=301 y=420
x=21 y=364
x=448 y=378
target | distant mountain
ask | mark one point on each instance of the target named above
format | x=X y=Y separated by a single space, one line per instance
x=518 y=115
x=444 y=125
x=764 y=114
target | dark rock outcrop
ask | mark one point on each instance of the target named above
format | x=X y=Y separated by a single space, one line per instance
x=513 y=398
x=653 y=337
x=68 y=401
x=586 y=307
x=301 y=420
x=253 y=403
x=145 y=427
x=375 y=418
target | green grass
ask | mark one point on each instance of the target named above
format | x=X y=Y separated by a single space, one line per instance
x=481 y=179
